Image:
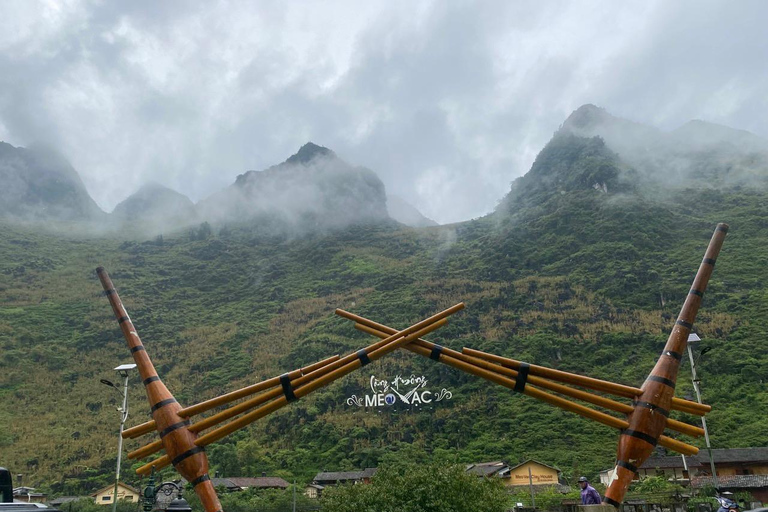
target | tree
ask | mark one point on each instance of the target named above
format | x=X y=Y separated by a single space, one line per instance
x=419 y=488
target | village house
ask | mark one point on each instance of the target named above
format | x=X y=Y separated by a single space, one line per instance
x=738 y=469
x=28 y=495
x=526 y=473
x=124 y=492
x=313 y=491
x=327 y=478
x=241 y=483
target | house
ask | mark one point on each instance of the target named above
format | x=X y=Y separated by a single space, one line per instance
x=313 y=491
x=241 y=483
x=333 y=478
x=527 y=473
x=58 y=502
x=124 y=492
x=497 y=468
x=756 y=485
x=737 y=469
x=28 y=495
x=728 y=462
x=540 y=474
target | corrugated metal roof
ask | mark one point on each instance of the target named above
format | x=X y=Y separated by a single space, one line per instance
x=733 y=481
x=339 y=476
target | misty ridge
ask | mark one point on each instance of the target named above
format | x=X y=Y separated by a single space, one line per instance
x=314 y=191
x=697 y=154
x=597 y=152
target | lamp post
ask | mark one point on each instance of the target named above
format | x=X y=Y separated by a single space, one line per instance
x=122 y=370
x=694 y=338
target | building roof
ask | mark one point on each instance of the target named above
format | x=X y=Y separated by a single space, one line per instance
x=719 y=455
x=487 y=468
x=315 y=486
x=262 y=482
x=112 y=486
x=736 y=455
x=670 y=462
x=733 y=481
x=342 y=476
x=535 y=462
x=66 y=499
x=225 y=482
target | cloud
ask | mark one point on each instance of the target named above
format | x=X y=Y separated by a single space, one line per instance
x=448 y=103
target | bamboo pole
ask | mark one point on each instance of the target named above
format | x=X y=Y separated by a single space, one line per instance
x=586 y=412
x=350 y=363
x=382 y=331
x=233 y=411
x=588 y=382
x=193 y=410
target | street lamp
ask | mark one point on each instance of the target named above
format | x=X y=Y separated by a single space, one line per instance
x=694 y=338
x=122 y=370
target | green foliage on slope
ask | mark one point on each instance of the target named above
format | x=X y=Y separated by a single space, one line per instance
x=585 y=281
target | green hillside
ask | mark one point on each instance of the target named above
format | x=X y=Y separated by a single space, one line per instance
x=570 y=277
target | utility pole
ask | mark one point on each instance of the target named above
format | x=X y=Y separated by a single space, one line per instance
x=123 y=371
x=693 y=338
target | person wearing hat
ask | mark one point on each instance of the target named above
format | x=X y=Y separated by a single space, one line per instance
x=589 y=496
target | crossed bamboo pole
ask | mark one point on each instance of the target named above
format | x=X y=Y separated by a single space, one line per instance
x=507 y=377
x=279 y=391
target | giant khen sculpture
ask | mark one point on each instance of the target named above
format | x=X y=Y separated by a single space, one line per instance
x=641 y=427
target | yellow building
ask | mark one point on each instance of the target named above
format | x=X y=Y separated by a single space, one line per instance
x=518 y=475
x=540 y=474
x=124 y=492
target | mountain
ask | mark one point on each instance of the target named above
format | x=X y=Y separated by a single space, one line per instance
x=698 y=153
x=405 y=213
x=39 y=184
x=568 y=275
x=156 y=207
x=313 y=189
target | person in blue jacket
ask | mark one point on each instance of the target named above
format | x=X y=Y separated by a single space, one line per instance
x=589 y=496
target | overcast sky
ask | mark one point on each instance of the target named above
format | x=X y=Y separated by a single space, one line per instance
x=447 y=101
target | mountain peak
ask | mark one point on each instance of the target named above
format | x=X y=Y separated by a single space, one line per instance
x=587 y=115
x=309 y=152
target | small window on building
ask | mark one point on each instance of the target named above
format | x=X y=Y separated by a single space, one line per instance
x=106 y=498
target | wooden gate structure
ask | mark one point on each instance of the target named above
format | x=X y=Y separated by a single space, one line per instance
x=641 y=422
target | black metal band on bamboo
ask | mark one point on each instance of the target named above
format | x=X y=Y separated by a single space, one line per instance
x=640 y=435
x=163 y=403
x=150 y=380
x=696 y=292
x=200 y=479
x=672 y=353
x=709 y=260
x=627 y=465
x=175 y=426
x=137 y=348
x=609 y=501
x=684 y=324
x=663 y=380
x=522 y=377
x=362 y=355
x=122 y=319
x=109 y=292
x=187 y=454
x=285 y=382
x=437 y=351
x=653 y=407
